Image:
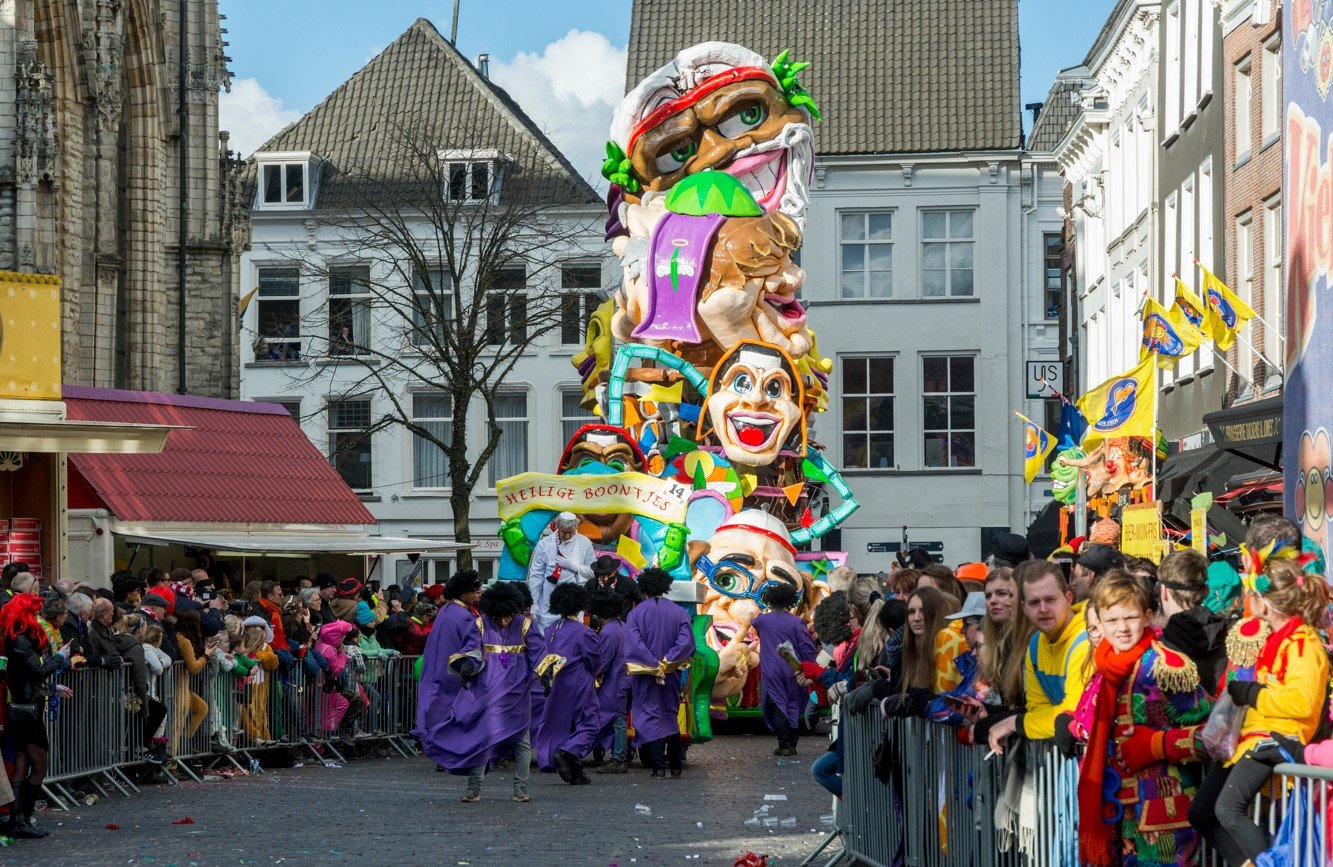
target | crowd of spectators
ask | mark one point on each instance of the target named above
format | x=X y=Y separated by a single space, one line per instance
x=195 y=654
x=1177 y=686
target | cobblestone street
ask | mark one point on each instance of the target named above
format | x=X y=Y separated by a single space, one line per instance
x=401 y=812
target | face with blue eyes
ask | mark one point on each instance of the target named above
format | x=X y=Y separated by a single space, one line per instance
x=614 y=451
x=721 y=131
x=755 y=406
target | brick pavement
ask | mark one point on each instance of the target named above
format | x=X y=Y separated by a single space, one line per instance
x=401 y=812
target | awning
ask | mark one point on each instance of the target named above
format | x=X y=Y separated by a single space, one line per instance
x=86 y=437
x=292 y=543
x=1251 y=430
x=1205 y=469
x=1257 y=491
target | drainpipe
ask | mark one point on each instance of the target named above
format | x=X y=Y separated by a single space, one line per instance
x=182 y=233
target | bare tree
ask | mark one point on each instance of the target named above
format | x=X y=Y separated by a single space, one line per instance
x=448 y=242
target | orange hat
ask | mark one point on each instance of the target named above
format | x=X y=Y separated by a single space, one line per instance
x=972 y=572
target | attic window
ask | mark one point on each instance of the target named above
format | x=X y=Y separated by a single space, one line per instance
x=286 y=180
x=472 y=176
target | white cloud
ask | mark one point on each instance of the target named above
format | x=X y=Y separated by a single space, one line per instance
x=252 y=115
x=569 y=90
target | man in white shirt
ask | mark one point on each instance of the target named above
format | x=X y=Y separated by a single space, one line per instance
x=565 y=555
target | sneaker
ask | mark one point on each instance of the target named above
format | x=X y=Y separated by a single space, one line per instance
x=521 y=797
x=218 y=746
x=157 y=755
x=471 y=796
x=615 y=766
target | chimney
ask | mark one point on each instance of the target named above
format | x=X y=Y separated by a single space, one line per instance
x=484 y=66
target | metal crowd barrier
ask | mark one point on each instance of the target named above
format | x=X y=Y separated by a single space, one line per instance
x=939 y=808
x=213 y=718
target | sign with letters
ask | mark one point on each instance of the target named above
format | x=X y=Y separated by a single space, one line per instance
x=618 y=493
x=1044 y=379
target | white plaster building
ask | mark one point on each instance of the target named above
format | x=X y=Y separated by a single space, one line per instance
x=303 y=209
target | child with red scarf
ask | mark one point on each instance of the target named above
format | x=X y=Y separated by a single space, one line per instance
x=1140 y=769
x=1285 y=699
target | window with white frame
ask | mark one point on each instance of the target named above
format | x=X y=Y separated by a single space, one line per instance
x=1053 y=249
x=867 y=412
x=1207 y=28
x=293 y=408
x=349 y=310
x=506 y=306
x=350 y=441
x=1115 y=204
x=1172 y=68
x=432 y=411
x=470 y=180
x=1274 y=306
x=1270 y=83
x=286 y=181
x=432 y=306
x=1203 y=356
x=946 y=253
x=278 y=315
x=1245 y=284
x=1188 y=252
x=949 y=400
x=511 y=453
x=1146 y=146
x=1242 y=129
x=580 y=283
x=865 y=251
x=572 y=414
x=1189 y=18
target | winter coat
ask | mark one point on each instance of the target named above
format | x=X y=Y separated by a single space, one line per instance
x=30 y=670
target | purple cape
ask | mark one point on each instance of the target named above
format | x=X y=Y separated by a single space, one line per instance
x=613 y=691
x=657 y=636
x=456 y=633
x=569 y=719
x=782 y=694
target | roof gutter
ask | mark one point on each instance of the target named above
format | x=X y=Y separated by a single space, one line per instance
x=182 y=110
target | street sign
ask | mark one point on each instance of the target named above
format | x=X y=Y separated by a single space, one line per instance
x=1044 y=379
x=895 y=547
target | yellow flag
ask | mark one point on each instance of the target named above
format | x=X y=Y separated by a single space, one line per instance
x=1037 y=444
x=1231 y=312
x=1199 y=312
x=1168 y=334
x=1123 y=406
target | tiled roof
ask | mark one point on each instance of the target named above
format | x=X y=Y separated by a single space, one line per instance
x=242 y=462
x=889 y=76
x=421 y=89
x=1057 y=117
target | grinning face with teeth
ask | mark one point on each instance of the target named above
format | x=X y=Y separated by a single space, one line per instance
x=611 y=446
x=754 y=404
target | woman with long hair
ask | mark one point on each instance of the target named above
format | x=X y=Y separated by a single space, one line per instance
x=191 y=709
x=254 y=645
x=865 y=596
x=930 y=645
x=33 y=660
x=1007 y=631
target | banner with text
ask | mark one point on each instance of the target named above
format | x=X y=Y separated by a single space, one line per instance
x=1141 y=531
x=619 y=493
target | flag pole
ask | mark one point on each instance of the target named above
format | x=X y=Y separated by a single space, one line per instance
x=1222 y=356
x=1156 y=403
x=1262 y=357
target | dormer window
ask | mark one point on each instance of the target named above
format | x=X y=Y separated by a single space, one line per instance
x=287 y=181
x=473 y=175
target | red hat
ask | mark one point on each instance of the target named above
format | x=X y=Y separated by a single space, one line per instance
x=434 y=592
x=349 y=588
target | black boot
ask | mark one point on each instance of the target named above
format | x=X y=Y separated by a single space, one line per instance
x=24 y=827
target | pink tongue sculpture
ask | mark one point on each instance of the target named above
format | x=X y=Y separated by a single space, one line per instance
x=678 y=258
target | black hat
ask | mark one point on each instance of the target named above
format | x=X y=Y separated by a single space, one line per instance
x=1010 y=547
x=1099 y=558
x=324 y=581
x=605 y=565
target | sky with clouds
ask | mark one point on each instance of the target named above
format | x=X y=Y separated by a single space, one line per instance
x=564 y=63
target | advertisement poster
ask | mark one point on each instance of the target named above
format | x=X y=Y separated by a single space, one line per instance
x=1307 y=44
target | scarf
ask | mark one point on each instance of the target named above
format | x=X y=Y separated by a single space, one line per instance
x=1095 y=833
x=1268 y=655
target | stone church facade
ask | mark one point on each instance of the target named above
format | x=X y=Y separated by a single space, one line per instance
x=115 y=177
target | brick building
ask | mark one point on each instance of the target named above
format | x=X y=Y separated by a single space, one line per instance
x=1252 y=78
x=114 y=176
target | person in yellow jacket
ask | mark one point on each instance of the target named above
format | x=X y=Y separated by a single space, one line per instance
x=1285 y=700
x=1057 y=667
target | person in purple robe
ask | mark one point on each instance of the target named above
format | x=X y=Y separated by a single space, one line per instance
x=495 y=715
x=449 y=666
x=783 y=637
x=608 y=609
x=538 y=693
x=570 y=718
x=659 y=644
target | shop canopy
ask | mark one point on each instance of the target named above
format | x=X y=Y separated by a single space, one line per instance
x=1250 y=430
x=41 y=426
x=261 y=544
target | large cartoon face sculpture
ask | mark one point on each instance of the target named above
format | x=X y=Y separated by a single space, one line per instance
x=1314 y=487
x=719 y=106
x=755 y=404
x=719 y=118
x=748 y=552
x=612 y=447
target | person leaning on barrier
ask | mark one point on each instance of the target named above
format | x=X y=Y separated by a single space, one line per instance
x=1189 y=627
x=104 y=640
x=1056 y=668
x=74 y=631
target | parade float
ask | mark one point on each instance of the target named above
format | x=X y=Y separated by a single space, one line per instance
x=702 y=366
